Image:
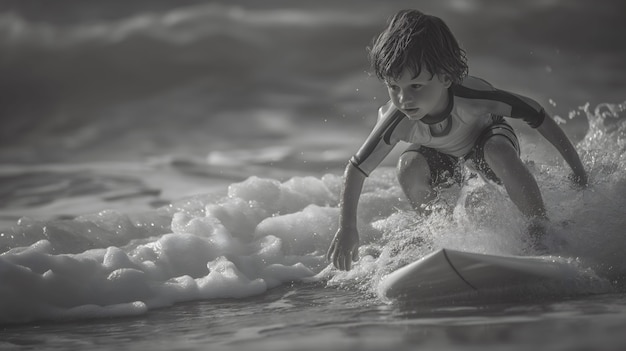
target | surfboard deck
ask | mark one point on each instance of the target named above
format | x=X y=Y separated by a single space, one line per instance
x=449 y=272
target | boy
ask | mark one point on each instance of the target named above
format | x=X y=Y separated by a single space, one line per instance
x=446 y=115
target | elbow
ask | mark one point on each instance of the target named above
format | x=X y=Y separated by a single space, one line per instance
x=540 y=119
x=354 y=164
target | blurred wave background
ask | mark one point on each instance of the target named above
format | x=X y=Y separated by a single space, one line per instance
x=86 y=80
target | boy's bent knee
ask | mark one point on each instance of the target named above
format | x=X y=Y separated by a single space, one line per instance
x=414 y=178
x=413 y=165
x=499 y=150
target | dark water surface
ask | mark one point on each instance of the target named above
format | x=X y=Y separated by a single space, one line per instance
x=313 y=317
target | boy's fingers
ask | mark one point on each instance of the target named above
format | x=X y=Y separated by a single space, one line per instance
x=355 y=254
x=329 y=253
x=343 y=263
x=340 y=262
x=336 y=259
x=346 y=262
x=579 y=180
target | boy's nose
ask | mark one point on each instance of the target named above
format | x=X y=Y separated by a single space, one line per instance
x=404 y=97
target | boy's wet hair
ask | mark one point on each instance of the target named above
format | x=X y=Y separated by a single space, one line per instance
x=415 y=40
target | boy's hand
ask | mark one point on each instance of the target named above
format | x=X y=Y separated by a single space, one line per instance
x=344 y=248
x=580 y=180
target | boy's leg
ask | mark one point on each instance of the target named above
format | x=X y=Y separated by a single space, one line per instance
x=503 y=159
x=419 y=170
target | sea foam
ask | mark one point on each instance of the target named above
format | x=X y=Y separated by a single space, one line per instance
x=263 y=233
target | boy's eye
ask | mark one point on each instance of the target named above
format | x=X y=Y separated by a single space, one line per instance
x=416 y=86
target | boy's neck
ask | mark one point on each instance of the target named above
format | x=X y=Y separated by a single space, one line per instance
x=442 y=111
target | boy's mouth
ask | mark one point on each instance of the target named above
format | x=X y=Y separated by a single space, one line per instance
x=411 y=111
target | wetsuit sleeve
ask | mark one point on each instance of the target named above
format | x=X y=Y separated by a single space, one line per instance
x=380 y=142
x=503 y=103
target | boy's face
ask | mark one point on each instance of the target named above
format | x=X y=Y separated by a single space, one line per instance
x=417 y=96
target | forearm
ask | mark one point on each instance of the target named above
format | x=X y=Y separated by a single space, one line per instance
x=555 y=135
x=353 y=185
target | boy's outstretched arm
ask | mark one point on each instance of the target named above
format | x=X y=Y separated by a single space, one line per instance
x=555 y=135
x=344 y=247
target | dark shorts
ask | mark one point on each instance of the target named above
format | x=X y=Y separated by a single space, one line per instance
x=446 y=168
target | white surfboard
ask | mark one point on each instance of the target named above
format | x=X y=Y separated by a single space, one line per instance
x=449 y=272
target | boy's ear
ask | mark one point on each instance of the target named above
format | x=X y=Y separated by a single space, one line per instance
x=445 y=79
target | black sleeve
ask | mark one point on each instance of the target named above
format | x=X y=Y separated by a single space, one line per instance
x=504 y=103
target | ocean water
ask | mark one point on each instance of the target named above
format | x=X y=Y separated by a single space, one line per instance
x=170 y=174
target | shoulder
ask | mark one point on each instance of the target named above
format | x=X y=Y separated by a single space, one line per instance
x=475 y=96
x=473 y=87
x=482 y=96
